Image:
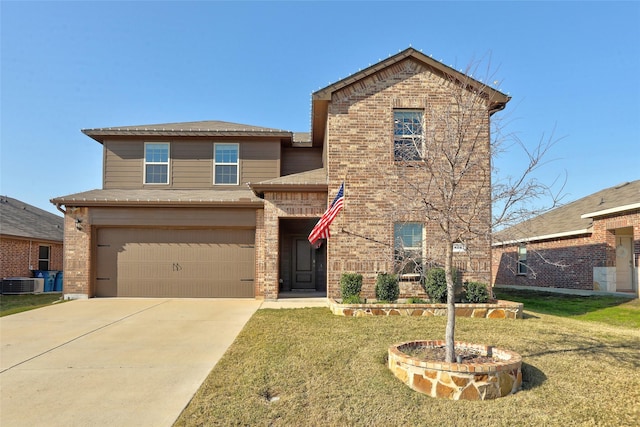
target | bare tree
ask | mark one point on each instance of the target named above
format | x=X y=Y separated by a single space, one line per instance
x=444 y=163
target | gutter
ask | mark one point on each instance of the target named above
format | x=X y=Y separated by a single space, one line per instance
x=543 y=237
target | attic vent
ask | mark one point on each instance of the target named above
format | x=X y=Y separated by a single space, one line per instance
x=619 y=186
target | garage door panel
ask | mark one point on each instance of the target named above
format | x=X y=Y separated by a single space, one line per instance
x=177 y=263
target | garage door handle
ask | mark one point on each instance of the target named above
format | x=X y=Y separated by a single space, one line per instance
x=246 y=280
x=103 y=278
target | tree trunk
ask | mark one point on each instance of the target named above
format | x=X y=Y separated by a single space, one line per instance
x=450 y=354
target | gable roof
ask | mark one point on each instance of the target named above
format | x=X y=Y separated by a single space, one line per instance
x=574 y=218
x=322 y=97
x=201 y=128
x=22 y=220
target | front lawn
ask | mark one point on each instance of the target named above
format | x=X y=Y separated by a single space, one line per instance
x=308 y=367
x=616 y=311
x=11 y=304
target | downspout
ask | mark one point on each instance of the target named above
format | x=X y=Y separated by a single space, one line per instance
x=60 y=209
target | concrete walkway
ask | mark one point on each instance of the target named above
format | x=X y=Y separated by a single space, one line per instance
x=113 y=362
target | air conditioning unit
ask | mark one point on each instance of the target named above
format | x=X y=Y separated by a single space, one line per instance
x=22 y=285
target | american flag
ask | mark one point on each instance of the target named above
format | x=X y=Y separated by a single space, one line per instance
x=321 y=230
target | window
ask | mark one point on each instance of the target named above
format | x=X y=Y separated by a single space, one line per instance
x=407 y=134
x=225 y=160
x=43 y=257
x=156 y=163
x=522 y=260
x=408 y=248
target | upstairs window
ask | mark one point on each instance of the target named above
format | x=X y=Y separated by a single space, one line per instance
x=44 y=257
x=156 y=163
x=522 y=260
x=408 y=249
x=225 y=164
x=407 y=134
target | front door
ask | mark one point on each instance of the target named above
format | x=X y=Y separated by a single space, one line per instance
x=624 y=263
x=303 y=262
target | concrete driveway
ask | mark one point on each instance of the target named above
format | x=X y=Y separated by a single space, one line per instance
x=115 y=362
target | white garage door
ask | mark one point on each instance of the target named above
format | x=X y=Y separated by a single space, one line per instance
x=189 y=263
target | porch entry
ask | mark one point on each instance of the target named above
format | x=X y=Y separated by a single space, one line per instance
x=302 y=267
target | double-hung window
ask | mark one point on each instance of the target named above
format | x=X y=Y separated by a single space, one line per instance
x=225 y=164
x=408 y=248
x=44 y=257
x=408 y=134
x=522 y=260
x=156 y=163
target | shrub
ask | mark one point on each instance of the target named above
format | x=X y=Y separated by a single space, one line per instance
x=387 y=288
x=415 y=300
x=476 y=292
x=352 y=299
x=350 y=285
x=435 y=284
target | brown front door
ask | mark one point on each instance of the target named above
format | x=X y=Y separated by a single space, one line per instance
x=303 y=265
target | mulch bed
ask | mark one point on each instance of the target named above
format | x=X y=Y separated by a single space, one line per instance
x=437 y=354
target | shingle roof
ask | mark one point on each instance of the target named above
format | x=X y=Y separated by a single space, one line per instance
x=23 y=220
x=159 y=197
x=304 y=181
x=575 y=217
x=201 y=128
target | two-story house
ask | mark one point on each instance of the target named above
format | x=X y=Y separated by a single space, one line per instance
x=216 y=209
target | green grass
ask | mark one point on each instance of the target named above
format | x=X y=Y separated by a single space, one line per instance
x=309 y=367
x=11 y=304
x=616 y=311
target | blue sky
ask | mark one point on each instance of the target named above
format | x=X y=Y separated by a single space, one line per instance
x=571 y=67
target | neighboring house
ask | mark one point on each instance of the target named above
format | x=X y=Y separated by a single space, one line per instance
x=30 y=239
x=592 y=244
x=216 y=209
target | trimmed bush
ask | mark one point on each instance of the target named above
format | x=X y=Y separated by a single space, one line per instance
x=476 y=292
x=435 y=284
x=350 y=285
x=387 y=288
x=352 y=299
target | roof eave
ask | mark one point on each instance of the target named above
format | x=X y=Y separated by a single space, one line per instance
x=100 y=134
x=617 y=209
x=261 y=188
x=543 y=237
x=84 y=202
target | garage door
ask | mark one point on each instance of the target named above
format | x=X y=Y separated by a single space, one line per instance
x=175 y=263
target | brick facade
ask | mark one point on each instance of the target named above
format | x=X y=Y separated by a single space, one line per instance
x=360 y=152
x=78 y=281
x=18 y=257
x=280 y=205
x=568 y=262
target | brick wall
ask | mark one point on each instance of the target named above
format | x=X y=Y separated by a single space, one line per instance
x=19 y=256
x=567 y=262
x=360 y=153
x=281 y=205
x=77 y=254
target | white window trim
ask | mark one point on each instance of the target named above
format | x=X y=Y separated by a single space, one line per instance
x=409 y=137
x=236 y=164
x=422 y=248
x=168 y=163
x=522 y=264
